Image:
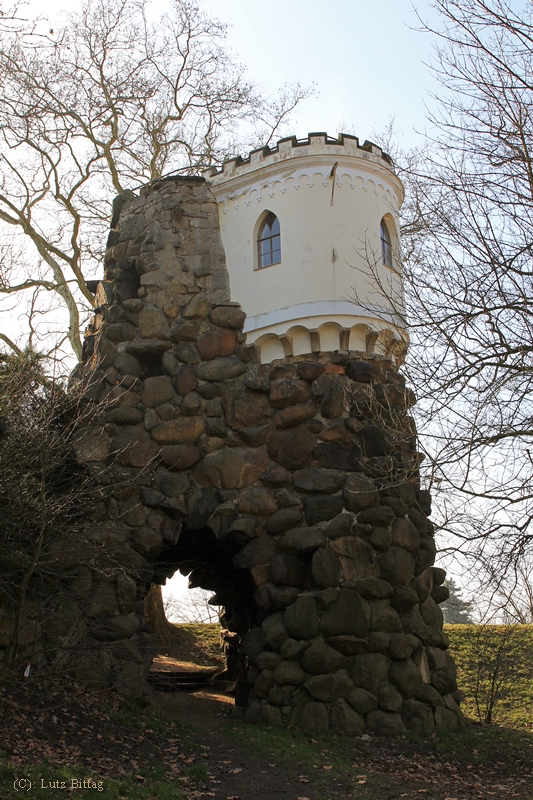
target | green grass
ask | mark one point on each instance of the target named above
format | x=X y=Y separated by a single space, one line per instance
x=494 y=666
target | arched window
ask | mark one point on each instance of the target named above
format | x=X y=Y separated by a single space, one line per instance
x=386 y=245
x=269 y=242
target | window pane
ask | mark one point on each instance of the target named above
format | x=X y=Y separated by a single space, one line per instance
x=275 y=226
x=276 y=256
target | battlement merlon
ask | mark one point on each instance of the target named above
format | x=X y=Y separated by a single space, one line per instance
x=314 y=146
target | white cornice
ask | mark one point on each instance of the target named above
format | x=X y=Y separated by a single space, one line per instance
x=320 y=308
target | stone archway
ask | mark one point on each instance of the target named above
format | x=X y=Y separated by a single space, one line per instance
x=292 y=488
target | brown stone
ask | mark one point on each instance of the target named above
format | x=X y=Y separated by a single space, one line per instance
x=277 y=478
x=133 y=447
x=309 y=370
x=288 y=391
x=183 y=430
x=124 y=416
x=395 y=565
x=217 y=344
x=228 y=317
x=359 y=492
x=356 y=557
x=259 y=551
x=348 y=645
x=257 y=435
x=292 y=448
x=336 y=431
x=257 y=500
x=286 y=570
x=231 y=467
x=326 y=481
x=152 y=323
x=156 y=391
x=250 y=409
x=199 y=308
x=404 y=534
x=181 y=456
x=284 y=519
x=193 y=405
x=185 y=331
x=294 y=415
x=186 y=380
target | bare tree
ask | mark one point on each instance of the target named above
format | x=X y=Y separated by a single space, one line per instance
x=109 y=101
x=468 y=273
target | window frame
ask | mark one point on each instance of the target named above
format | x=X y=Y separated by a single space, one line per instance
x=269 y=220
x=386 y=244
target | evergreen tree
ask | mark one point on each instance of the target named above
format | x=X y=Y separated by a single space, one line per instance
x=456 y=610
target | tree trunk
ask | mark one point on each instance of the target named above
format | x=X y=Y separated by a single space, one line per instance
x=154 y=612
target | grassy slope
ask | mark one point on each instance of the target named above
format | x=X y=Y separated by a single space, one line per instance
x=499 y=656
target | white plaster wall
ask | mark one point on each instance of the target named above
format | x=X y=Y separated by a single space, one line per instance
x=330 y=253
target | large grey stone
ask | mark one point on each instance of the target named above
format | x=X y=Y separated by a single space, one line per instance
x=406 y=676
x=379 y=515
x=221 y=369
x=329 y=687
x=258 y=551
x=269 y=715
x=291 y=448
x=293 y=650
x=228 y=316
x=288 y=391
x=286 y=569
x=363 y=701
x=289 y=673
x=373 y=588
x=384 y=618
x=321 y=507
x=320 y=658
x=152 y=323
x=257 y=500
x=345 y=720
x=133 y=447
x=389 y=698
x=386 y=723
x=183 y=430
x=301 y=618
x=231 y=467
x=326 y=481
x=312 y=717
x=401 y=645
x=368 y=670
x=395 y=565
x=275 y=631
x=325 y=568
x=339 y=526
x=348 y=615
x=156 y=390
x=418 y=717
x=431 y=613
x=284 y=519
x=302 y=540
x=445 y=720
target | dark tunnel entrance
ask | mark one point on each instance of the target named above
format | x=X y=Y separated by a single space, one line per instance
x=207 y=561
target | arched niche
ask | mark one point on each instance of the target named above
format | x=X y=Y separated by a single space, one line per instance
x=301 y=340
x=329 y=334
x=270 y=347
x=358 y=336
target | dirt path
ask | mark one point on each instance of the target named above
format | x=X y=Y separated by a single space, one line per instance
x=244 y=762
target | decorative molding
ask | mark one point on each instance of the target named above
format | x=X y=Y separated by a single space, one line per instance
x=319 y=308
x=306 y=175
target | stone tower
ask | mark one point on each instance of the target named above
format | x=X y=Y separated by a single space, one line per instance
x=273 y=460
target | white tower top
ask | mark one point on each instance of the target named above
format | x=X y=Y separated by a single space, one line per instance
x=310 y=230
